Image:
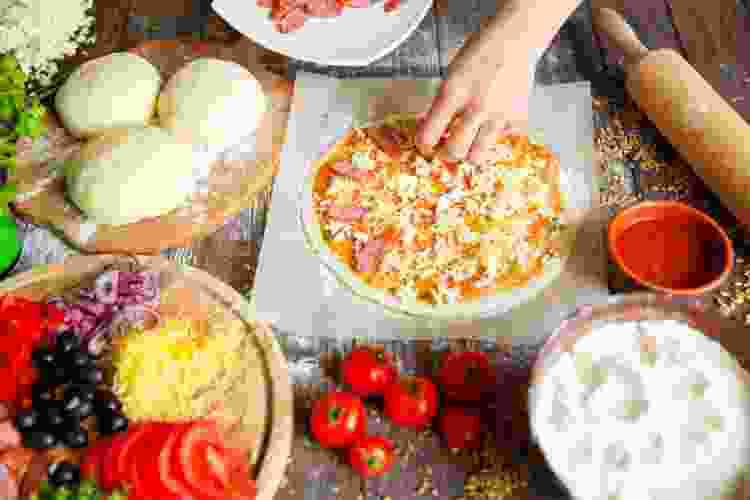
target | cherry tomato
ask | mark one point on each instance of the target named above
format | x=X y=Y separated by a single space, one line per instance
x=371 y=456
x=338 y=420
x=368 y=370
x=462 y=430
x=465 y=376
x=411 y=402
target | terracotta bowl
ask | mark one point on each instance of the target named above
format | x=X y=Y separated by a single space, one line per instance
x=717 y=268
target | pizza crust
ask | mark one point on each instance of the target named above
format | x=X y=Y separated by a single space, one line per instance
x=514 y=293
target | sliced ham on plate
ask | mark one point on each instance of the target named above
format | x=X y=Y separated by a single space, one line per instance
x=292 y=21
x=368 y=256
x=347 y=214
x=323 y=8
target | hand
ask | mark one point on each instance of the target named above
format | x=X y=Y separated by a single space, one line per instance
x=485 y=95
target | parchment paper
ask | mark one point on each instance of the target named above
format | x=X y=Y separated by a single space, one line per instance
x=297 y=296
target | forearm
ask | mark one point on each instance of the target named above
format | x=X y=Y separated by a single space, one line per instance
x=534 y=22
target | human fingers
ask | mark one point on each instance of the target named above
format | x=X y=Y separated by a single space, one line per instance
x=462 y=134
x=441 y=112
x=492 y=129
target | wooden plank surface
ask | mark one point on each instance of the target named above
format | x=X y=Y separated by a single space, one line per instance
x=231 y=253
x=651 y=20
x=716 y=43
x=111 y=26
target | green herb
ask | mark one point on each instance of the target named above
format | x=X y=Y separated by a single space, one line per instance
x=31 y=120
x=436 y=357
x=22 y=115
x=8 y=63
x=151 y=24
x=310 y=442
x=118 y=495
x=87 y=489
x=393 y=473
x=7 y=194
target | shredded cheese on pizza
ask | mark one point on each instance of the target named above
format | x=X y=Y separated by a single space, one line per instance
x=435 y=231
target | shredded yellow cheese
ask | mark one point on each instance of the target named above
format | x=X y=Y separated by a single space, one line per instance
x=162 y=373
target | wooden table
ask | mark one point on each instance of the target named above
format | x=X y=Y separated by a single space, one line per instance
x=706 y=33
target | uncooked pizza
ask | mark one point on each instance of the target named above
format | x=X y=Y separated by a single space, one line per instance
x=436 y=233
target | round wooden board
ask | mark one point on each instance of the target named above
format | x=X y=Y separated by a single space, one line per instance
x=268 y=430
x=233 y=184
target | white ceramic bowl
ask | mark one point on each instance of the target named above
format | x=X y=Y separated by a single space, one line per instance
x=358 y=37
x=644 y=306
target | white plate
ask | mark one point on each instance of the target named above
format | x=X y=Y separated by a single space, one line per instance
x=356 y=38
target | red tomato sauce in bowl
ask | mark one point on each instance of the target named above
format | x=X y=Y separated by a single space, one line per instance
x=671 y=247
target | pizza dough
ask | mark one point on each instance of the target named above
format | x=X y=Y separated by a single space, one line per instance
x=211 y=101
x=431 y=240
x=115 y=91
x=130 y=174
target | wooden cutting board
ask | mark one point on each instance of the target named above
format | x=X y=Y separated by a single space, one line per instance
x=233 y=184
x=264 y=404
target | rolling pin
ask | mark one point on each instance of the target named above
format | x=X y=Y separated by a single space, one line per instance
x=709 y=134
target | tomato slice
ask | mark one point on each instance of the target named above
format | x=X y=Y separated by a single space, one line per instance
x=166 y=473
x=91 y=467
x=147 y=481
x=123 y=458
x=218 y=462
x=241 y=486
x=190 y=462
x=110 y=477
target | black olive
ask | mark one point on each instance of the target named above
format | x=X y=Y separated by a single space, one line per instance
x=66 y=342
x=76 y=406
x=85 y=409
x=64 y=474
x=42 y=358
x=89 y=375
x=106 y=401
x=42 y=393
x=75 y=438
x=72 y=403
x=53 y=415
x=85 y=392
x=40 y=440
x=26 y=420
x=54 y=374
x=80 y=359
x=111 y=422
x=71 y=421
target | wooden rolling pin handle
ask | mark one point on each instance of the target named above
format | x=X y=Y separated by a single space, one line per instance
x=621 y=34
